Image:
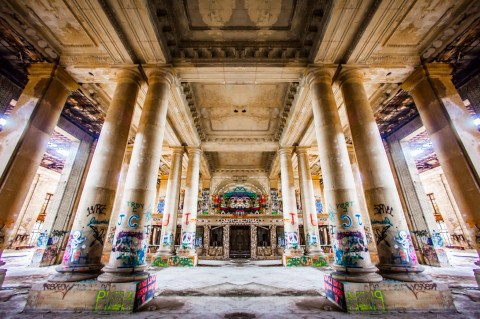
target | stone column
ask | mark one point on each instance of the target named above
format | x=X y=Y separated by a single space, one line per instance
x=226 y=241
x=170 y=211
x=352 y=260
x=82 y=258
x=273 y=238
x=206 y=238
x=396 y=254
x=290 y=214
x=128 y=258
x=253 y=241
x=310 y=221
x=189 y=215
x=25 y=138
x=454 y=138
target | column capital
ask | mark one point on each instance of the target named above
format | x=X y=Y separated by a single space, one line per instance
x=67 y=81
x=194 y=150
x=47 y=70
x=302 y=149
x=348 y=73
x=41 y=70
x=130 y=73
x=285 y=150
x=177 y=150
x=417 y=76
x=439 y=70
x=159 y=74
x=319 y=74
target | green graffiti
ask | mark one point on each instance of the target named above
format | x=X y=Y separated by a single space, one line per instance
x=114 y=300
x=160 y=262
x=365 y=301
x=319 y=262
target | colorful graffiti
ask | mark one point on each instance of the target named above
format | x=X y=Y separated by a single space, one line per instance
x=188 y=240
x=130 y=247
x=291 y=240
x=365 y=301
x=107 y=300
x=350 y=247
x=75 y=244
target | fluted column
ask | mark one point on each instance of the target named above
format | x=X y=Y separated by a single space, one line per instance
x=170 y=211
x=129 y=250
x=310 y=222
x=25 y=137
x=352 y=260
x=190 y=204
x=82 y=258
x=397 y=257
x=454 y=137
x=290 y=213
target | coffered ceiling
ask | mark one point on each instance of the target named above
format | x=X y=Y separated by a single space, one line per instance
x=239 y=64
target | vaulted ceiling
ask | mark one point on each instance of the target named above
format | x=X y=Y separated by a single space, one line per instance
x=239 y=64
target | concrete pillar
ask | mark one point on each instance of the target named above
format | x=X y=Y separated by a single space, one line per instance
x=169 y=222
x=82 y=258
x=454 y=138
x=352 y=260
x=190 y=204
x=25 y=138
x=226 y=241
x=310 y=221
x=128 y=258
x=253 y=241
x=290 y=214
x=56 y=225
x=396 y=254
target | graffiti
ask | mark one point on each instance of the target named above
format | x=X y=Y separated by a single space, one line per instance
x=293 y=217
x=148 y=216
x=312 y=239
x=332 y=229
x=275 y=202
x=94 y=221
x=404 y=242
x=145 y=291
x=62 y=288
x=130 y=248
x=381 y=235
x=348 y=224
x=98 y=235
x=318 y=205
x=345 y=205
x=187 y=240
x=365 y=300
x=385 y=221
x=166 y=219
x=421 y=287
x=131 y=222
x=120 y=220
x=305 y=261
x=382 y=209
x=368 y=234
x=359 y=219
x=349 y=248
x=75 y=244
x=331 y=215
x=186 y=218
x=291 y=239
x=161 y=205
x=42 y=239
x=205 y=201
x=111 y=234
x=437 y=239
x=134 y=206
x=99 y=209
x=167 y=239
x=334 y=291
x=114 y=300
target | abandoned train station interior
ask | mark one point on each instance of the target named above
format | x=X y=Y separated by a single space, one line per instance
x=153 y=145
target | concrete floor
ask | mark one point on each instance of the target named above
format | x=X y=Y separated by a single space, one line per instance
x=239 y=289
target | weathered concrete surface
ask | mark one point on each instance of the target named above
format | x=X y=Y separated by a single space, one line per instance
x=241 y=289
x=90 y=295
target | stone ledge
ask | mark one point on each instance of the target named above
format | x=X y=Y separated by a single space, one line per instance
x=175 y=261
x=90 y=295
x=388 y=295
x=304 y=261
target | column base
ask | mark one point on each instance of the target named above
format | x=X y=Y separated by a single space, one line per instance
x=70 y=274
x=304 y=261
x=366 y=275
x=114 y=274
x=407 y=274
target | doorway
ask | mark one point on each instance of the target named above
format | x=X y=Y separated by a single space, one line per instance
x=240 y=242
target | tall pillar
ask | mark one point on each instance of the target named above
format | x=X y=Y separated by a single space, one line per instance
x=352 y=260
x=310 y=221
x=190 y=204
x=290 y=214
x=206 y=238
x=226 y=241
x=253 y=241
x=82 y=258
x=454 y=138
x=25 y=138
x=396 y=254
x=170 y=211
x=128 y=258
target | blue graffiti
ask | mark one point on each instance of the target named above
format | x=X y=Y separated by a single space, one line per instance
x=120 y=221
x=349 y=221
x=131 y=223
x=359 y=219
